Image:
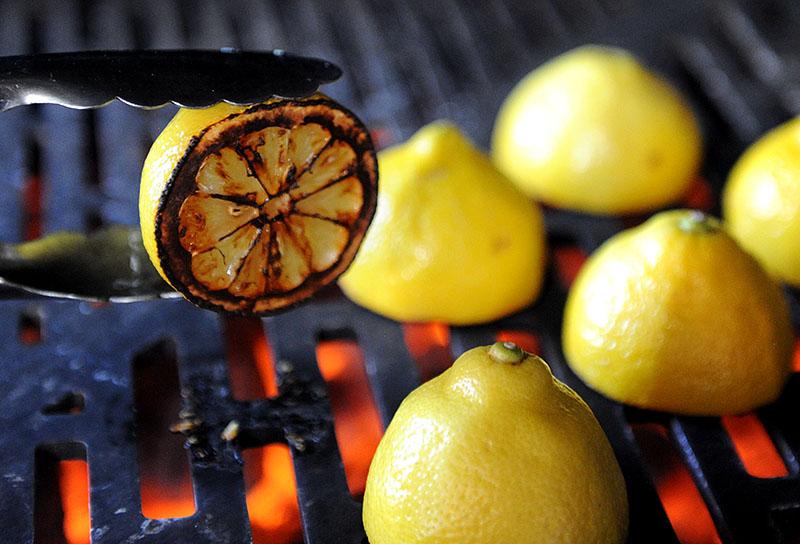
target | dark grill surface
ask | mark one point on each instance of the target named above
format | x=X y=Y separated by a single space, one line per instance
x=406 y=63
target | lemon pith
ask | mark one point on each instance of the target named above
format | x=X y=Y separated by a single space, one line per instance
x=494 y=451
x=594 y=130
x=253 y=209
x=761 y=201
x=673 y=315
x=452 y=240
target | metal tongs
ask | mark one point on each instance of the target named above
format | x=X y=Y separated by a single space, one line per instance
x=111 y=264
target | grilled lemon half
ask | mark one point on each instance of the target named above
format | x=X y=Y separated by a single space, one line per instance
x=254 y=209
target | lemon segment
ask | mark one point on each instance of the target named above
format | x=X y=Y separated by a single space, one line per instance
x=761 y=202
x=673 y=315
x=494 y=451
x=218 y=264
x=253 y=209
x=452 y=239
x=162 y=159
x=594 y=130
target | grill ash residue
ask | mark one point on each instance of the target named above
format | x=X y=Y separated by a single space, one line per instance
x=298 y=417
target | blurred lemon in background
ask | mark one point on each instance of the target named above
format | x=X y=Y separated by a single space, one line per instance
x=495 y=450
x=593 y=130
x=761 y=201
x=673 y=315
x=452 y=239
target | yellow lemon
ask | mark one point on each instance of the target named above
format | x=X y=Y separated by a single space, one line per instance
x=594 y=130
x=761 y=201
x=495 y=450
x=452 y=239
x=253 y=209
x=673 y=315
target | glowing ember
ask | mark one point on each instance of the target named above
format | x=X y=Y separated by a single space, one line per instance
x=429 y=345
x=249 y=359
x=796 y=360
x=73 y=483
x=269 y=474
x=272 y=495
x=32 y=192
x=754 y=446
x=699 y=196
x=268 y=471
x=166 y=482
x=358 y=426
x=526 y=340
x=168 y=501
x=685 y=508
x=568 y=261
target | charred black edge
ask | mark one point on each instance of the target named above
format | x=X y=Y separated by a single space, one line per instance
x=365 y=154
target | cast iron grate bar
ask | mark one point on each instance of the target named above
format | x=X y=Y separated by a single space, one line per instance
x=717 y=84
x=428 y=85
x=328 y=511
x=773 y=69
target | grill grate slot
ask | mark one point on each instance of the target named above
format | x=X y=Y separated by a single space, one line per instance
x=779 y=419
x=755 y=447
x=58 y=509
x=165 y=484
x=329 y=513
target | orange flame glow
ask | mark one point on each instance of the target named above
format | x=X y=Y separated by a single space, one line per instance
x=796 y=359
x=683 y=504
x=268 y=471
x=358 y=425
x=168 y=501
x=699 y=196
x=164 y=474
x=73 y=484
x=269 y=474
x=272 y=495
x=524 y=339
x=32 y=191
x=568 y=260
x=429 y=345
x=754 y=446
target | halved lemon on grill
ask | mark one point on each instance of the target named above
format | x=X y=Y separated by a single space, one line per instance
x=254 y=209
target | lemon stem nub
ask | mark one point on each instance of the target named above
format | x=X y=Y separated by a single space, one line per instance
x=697 y=222
x=506 y=352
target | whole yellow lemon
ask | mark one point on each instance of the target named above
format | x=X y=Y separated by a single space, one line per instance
x=594 y=130
x=761 y=201
x=452 y=239
x=673 y=315
x=495 y=450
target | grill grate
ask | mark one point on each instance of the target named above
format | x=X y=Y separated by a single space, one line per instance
x=67 y=390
